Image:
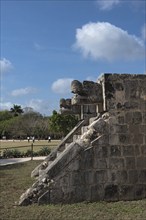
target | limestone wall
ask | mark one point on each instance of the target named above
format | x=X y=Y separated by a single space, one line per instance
x=114 y=168
x=108 y=161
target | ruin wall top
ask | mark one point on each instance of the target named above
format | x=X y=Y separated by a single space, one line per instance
x=123 y=91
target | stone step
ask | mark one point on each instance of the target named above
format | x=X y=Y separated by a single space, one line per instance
x=63 y=148
x=91 y=120
x=84 y=129
x=58 y=153
x=75 y=137
x=66 y=145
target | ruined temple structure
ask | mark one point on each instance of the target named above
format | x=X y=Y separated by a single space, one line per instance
x=104 y=156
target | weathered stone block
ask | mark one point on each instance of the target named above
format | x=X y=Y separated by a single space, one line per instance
x=111 y=192
x=131 y=89
x=45 y=198
x=101 y=151
x=143 y=104
x=77 y=178
x=97 y=192
x=89 y=177
x=143 y=149
x=126 y=192
x=129 y=117
x=121 y=120
x=141 y=162
x=133 y=176
x=87 y=158
x=118 y=129
x=137 y=118
x=100 y=176
x=131 y=105
x=100 y=163
x=80 y=194
x=117 y=176
x=119 y=86
x=75 y=165
x=128 y=150
x=113 y=139
x=143 y=129
x=142 y=176
x=134 y=129
x=115 y=151
x=116 y=163
x=144 y=117
x=137 y=149
x=130 y=163
x=124 y=139
x=140 y=191
x=101 y=140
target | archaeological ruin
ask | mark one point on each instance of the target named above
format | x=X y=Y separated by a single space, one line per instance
x=104 y=156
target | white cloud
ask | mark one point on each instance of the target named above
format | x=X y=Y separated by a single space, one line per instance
x=143 y=31
x=23 y=91
x=5 y=66
x=103 y=40
x=5 y=105
x=107 y=4
x=62 y=86
x=39 y=105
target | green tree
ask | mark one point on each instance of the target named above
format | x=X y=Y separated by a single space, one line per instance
x=30 y=123
x=16 y=110
x=7 y=127
x=62 y=124
x=5 y=115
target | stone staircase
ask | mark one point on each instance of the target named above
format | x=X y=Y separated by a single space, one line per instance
x=77 y=141
x=73 y=135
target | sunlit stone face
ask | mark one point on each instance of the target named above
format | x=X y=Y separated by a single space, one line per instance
x=87 y=92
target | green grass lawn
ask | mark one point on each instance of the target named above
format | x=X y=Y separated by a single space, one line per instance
x=24 y=145
x=15 y=179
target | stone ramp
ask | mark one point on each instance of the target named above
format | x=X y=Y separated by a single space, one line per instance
x=48 y=177
x=61 y=147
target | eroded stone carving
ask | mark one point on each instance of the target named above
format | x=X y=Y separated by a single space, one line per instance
x=67 y=108
x=87 y=92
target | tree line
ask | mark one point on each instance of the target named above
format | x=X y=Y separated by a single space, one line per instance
x=19 y=124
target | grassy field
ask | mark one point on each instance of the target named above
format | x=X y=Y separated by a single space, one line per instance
x=24 y=145
x=15 y=179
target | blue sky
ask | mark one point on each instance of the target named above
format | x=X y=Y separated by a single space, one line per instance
x=46 y=44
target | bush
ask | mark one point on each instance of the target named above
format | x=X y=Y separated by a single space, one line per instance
x=17 y=153
x=28 y=153
x=44 y=151
x=14 y=153
x=8 y=153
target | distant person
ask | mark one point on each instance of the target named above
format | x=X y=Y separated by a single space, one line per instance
x=49 y=139
x=33 y=139
x=28 y=138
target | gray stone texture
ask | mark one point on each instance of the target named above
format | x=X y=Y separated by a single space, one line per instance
x=108 y=160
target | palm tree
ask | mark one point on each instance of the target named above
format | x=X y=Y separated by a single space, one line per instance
x=16 y=110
